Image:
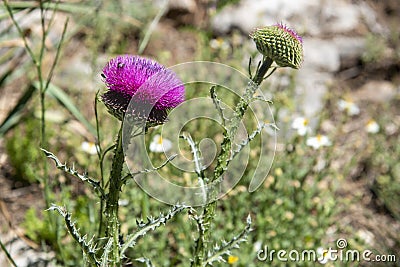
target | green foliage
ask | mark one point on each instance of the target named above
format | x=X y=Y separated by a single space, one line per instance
x=24 y=154
x=222 y=3
x=37 y=228
x=113 y=24
x=375 y=48
x=384 y=161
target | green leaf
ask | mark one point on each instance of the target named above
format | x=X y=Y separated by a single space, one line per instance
x=14 y=116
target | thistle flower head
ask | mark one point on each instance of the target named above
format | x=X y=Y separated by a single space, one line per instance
x=145 y=82
x=281 y=44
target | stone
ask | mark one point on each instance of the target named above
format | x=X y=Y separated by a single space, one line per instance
x=250 y=14
x=321 y=55
x=23 y=254
x=350 y=46
x=376 y=91
x=320 y=17
x=339 y=16
x=310 y=89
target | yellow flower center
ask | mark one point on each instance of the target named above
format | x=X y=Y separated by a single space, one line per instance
x=232 y=259
x=160 y=141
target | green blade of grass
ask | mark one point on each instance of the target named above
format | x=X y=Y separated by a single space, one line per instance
x=67 y=102
x=15 y=114
x=70 y=8
x=8 y=255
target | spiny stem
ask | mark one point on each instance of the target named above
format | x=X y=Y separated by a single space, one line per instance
x=111 y=210
x=224 y=158
x=266 y=64
x=88 y=247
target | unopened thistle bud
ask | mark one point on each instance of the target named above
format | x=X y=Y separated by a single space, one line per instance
x=281 y=44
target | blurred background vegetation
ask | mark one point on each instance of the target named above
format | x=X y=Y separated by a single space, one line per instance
x=310 y=198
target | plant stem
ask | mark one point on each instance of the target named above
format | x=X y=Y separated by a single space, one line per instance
x=223 y=162
x=8 y=255
x=266 y=64
x=111 y=211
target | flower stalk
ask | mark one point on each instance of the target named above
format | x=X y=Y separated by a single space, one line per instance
x=140 y=91
x=277 y=44
x=202 y=243
x=111 y=211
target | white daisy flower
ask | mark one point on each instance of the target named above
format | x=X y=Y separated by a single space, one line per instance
x=318 y=141
x=123 y=202
x=89 y=147
x=219 y=44
x=257 y=245
x=366 y=236
x=159 y=144
x=349 y=106
x=301 y=124
x=323 y=255
x=372 y=127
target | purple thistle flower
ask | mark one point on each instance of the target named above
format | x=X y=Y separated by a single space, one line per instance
x=153 y=89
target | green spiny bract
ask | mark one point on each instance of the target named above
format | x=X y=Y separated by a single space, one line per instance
x=281 y=44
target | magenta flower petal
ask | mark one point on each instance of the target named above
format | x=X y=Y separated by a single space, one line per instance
x=292 y=32
x=146 y=83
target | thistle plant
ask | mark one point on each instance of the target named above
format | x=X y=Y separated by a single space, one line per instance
x=124 y=77
x=141 y=93
x=277 y=44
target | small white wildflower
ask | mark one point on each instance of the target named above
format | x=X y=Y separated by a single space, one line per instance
x=301 y=125
x=349 y=106
x=89 y=147
x=372 y=126
x=159 y=144
x=323 y=255
x=318 y=141
x=219 y=44
x=257 y=245
x=366 y=236
x=123 y=202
